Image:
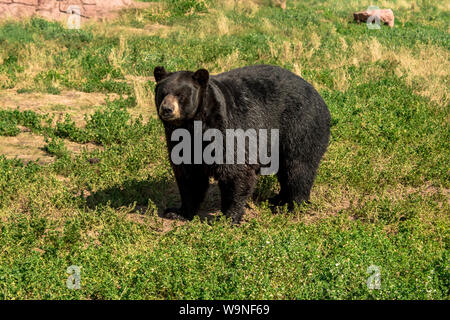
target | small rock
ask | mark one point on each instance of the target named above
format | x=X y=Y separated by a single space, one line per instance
x=94 y=160
x=173 y=216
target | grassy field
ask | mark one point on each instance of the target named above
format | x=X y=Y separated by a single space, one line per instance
x=84 y=170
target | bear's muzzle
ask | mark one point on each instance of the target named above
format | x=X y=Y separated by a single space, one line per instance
x=170 y=108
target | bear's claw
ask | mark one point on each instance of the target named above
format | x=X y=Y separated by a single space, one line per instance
x=173 y=214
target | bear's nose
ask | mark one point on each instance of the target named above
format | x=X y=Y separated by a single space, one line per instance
x=166 y=110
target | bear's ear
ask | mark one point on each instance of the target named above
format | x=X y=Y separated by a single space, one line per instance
x=160 y=73
x=201 y=76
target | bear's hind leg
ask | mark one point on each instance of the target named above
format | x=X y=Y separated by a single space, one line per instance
x=296 y=179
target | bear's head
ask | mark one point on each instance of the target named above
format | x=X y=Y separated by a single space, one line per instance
x=178 y=95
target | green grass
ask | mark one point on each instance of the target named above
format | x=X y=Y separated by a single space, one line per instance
x=381 y=196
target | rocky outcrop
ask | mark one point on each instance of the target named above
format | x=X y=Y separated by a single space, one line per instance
x=60 y=9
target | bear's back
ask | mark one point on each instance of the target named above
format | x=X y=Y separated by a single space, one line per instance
x=266 y=82
x=270 y=90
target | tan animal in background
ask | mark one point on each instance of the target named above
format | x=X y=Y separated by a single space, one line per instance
x=281 y=3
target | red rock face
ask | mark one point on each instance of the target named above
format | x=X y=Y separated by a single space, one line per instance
x=386 y=16
x=60 y=9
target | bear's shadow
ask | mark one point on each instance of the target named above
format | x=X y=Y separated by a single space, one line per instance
x=163 y=193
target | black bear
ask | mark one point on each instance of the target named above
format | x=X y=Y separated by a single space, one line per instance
x=254 y=97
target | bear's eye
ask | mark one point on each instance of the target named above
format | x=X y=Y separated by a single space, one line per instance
x=184 y=95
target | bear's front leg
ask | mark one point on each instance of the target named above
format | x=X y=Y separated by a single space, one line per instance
x=235 y=191
x=192 y=184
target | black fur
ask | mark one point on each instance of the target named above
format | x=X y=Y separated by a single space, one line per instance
x=255 y=97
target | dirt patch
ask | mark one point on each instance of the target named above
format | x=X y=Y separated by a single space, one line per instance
x=76 y=148
x=28 y=146
x=25 y=146
x=324 y=204
x=75 y=103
